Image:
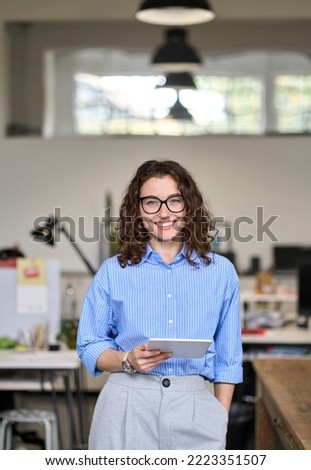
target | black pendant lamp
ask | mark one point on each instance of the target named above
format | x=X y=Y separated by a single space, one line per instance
x=175 y=55
x=179 y=81
x=175 y=12
x=179 y=112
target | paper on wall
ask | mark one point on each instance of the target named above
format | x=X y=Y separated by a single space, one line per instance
x=32 y=288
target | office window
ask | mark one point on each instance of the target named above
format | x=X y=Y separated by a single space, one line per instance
x=106 y=92
x=134 y=105
x=293 y=103
x=233 y=104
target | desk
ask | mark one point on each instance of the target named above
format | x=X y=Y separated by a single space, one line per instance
x=50 y=365
x=277 y=342
x=283 y=403
x=286 y=335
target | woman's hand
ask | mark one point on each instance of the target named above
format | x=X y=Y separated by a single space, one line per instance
x=145 y=360
x=140 y=357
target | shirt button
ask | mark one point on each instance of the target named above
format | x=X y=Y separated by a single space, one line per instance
x=169 y=295
x=166 y=383
x=170 y=322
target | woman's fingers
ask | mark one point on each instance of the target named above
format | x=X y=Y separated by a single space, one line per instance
x=146 y=360
x=153 y=361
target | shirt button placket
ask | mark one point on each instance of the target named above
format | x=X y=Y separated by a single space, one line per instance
x=170 y=304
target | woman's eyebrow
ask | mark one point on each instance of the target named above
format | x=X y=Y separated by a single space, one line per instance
x=156 y=197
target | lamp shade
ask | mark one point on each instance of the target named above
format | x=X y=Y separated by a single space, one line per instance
x=179 y=81
x=179 y=112
x=45 y=233
x=175 y=55
x=175 y=12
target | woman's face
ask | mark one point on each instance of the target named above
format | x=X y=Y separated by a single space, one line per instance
x=162 y=221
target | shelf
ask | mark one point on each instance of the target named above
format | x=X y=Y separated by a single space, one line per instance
x=248 y=296
x=253 y=302
x=286 y=335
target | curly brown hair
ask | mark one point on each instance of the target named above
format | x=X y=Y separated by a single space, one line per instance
x=199 y=220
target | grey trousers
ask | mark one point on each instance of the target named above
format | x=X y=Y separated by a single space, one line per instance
x=147 y=412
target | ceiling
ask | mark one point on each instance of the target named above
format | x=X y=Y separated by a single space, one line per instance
x=124 y=10
x=228 y=9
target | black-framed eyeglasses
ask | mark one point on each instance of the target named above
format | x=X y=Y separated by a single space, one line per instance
x=152 y=204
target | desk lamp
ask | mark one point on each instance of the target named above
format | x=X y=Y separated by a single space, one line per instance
x=46 y=234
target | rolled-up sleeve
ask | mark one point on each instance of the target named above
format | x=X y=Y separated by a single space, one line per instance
x=228 y=366
x=95 y=330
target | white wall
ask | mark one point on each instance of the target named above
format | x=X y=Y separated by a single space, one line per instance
x=237 y=174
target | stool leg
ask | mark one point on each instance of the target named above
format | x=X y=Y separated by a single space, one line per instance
x=6 y=434
x=9 y=432
x=48 y=435
x=54 y=435
x=2 y=435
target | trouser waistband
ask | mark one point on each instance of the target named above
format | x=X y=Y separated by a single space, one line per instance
x=154 y=382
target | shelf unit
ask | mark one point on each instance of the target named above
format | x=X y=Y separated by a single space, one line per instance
x=251 y=301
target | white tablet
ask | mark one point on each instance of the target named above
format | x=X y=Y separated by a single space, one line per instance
x=181 y=348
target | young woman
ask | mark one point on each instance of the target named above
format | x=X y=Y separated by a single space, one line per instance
x=164 y=283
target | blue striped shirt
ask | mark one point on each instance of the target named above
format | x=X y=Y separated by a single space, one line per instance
x=124 y=307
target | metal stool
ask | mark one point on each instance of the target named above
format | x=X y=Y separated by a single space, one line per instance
x=10 y=417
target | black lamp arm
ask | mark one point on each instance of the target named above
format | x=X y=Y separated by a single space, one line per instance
x=92 y=271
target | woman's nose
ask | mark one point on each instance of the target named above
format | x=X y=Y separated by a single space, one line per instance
x=163 y=211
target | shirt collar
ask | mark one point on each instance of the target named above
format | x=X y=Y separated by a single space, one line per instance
x=151 y=254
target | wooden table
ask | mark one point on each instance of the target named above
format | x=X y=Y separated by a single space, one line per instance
x=283 y=403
